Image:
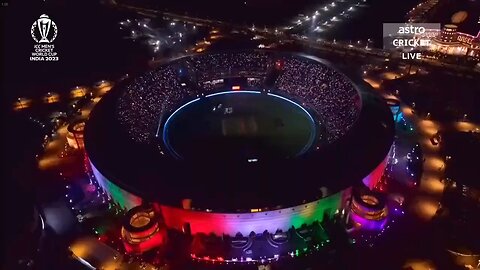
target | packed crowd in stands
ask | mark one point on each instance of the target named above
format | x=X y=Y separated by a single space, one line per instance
x=148 y=97
x=220 y=65
x=328 y=92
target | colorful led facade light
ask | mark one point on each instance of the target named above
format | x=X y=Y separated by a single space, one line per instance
x=75 y=134
x=127 y=166
x=142 y=230
x=368 y=210
x=394 y=105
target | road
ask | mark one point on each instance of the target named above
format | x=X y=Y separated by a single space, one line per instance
x=278 y=35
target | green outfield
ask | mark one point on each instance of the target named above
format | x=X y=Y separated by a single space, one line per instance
x=240 y=125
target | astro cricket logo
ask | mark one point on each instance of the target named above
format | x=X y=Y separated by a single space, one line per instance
x=409 y=39
x=44 y=30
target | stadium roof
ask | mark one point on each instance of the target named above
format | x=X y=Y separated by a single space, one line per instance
x=223 y=185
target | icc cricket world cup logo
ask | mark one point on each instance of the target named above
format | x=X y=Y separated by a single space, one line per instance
x=44 y=30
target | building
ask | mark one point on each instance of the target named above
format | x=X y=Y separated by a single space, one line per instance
x=204 y=186
x=450 y=41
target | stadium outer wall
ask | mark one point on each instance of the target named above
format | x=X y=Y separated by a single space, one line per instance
x=233 y=223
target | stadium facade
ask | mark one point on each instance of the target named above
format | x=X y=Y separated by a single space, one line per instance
x=226 y=196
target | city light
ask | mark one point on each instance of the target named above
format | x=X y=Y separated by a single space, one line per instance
x=183 y=161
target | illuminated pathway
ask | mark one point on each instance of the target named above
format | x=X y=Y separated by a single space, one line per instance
x=57 y=158
x=89 y=249
x=426 y=200
x=55 y=151
x=465 y=126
